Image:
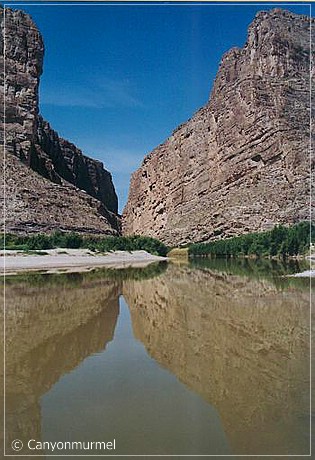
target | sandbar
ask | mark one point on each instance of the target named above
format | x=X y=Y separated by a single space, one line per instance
x=54 y=260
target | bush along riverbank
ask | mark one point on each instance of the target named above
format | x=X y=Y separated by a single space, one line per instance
x=75 y=241
x=279 y=242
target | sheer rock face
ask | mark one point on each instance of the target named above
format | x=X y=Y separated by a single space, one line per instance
x=38 y=146
x=241 y=164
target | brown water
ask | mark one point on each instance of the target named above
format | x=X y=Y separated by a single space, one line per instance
x=210 y=358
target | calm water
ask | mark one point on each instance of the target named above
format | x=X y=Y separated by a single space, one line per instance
x=206 y=358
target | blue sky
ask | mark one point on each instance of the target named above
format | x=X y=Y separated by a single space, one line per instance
x=119 y=79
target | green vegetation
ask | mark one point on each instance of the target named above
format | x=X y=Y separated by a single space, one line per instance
x=279 y=242
x=73 y=240
x=273 y=270
x=73 y=280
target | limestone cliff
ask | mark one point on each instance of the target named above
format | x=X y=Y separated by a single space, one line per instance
x=242 y=162
x=69 y=176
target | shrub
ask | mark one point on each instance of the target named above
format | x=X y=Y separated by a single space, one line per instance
x=280 y=241
x=74 y=240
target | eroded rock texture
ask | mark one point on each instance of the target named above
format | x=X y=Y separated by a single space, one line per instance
x=66 y=171
x=242 y=163
x=35 y=204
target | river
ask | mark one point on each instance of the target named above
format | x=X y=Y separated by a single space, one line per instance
x=208 y=357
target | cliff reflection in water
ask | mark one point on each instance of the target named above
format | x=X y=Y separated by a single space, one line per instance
x=50 y=329
x=239 y=342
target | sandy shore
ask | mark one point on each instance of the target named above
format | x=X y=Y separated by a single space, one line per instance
x=70 y=260
x=306 y=274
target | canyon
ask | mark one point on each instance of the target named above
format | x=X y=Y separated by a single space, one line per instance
x=241 y=164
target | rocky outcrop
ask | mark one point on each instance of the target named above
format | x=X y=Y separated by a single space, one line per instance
x=242 y=163
x=34 y=204
x=28 y=137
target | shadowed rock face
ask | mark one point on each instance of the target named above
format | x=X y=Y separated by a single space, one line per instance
x=241 y=163
x=38 y=146
x=70 y=164
x=238 y=342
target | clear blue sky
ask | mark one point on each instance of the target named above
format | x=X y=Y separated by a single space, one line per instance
x=118 y=79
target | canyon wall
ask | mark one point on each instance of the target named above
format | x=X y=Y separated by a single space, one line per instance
x=57 y=167
x=242 y=162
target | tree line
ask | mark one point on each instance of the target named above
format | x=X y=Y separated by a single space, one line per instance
x=279 y=242
x=58 y=239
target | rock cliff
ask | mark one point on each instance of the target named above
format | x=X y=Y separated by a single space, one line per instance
x=242 y=162
x=69 y=176
x=35 y=204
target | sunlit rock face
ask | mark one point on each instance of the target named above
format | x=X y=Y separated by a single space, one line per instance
x=50 y=330
x=240 y=343
x=68 y=180
x=242 y=162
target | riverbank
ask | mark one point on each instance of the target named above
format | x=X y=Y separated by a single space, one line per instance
x=281 y=242
x=305 y=274
x=71 y=260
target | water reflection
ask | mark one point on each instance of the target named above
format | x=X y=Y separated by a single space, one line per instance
x=240 y=343
x=49 y=331
x=272 y=270
x=231 y=336
x=127 y=396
